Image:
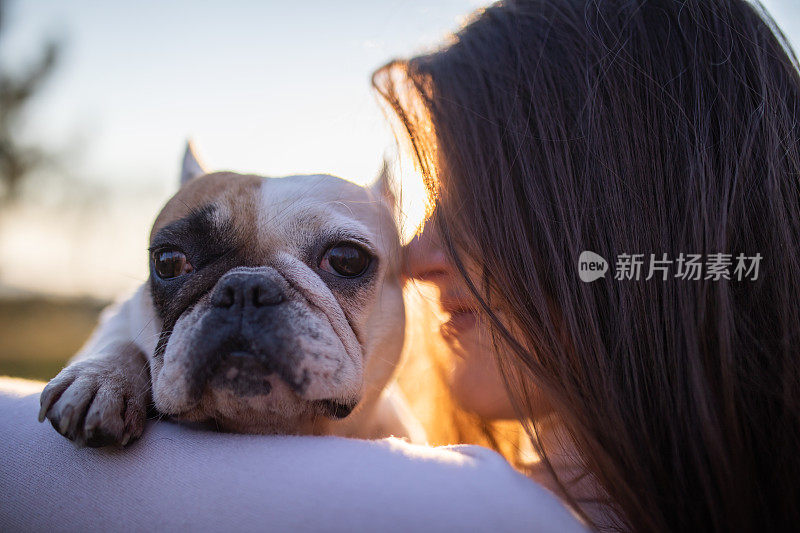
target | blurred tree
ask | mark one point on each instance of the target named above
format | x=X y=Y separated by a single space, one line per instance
x=17 y=161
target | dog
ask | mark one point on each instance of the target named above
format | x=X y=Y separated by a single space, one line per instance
x=273 y=305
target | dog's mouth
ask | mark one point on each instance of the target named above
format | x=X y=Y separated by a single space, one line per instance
x=250 y=373
x=245 y=373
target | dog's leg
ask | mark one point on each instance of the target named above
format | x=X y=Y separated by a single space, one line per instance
x=101 y=398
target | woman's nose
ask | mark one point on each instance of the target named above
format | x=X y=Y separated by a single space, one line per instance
x=424 y=258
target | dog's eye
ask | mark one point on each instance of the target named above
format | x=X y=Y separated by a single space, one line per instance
x=170 y=264
x=345 y=260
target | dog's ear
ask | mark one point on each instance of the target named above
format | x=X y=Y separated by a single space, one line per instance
x=191 y=167
x=383 y=187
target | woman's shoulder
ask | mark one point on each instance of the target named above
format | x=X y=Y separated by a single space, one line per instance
x=176 y=477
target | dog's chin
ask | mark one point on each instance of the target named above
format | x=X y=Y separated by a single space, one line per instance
x=245 y=396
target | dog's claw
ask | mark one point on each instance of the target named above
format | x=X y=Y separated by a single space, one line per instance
x=53 y=391
x=66 y=417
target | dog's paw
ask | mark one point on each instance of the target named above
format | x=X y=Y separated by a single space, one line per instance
x=99 y=402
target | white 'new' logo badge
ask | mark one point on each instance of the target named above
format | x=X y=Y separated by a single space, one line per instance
x=591 y=266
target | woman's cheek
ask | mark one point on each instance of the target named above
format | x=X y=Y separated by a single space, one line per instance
x=475 y=381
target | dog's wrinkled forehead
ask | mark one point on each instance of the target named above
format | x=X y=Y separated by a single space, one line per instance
x=216 y=192
x=269 y=214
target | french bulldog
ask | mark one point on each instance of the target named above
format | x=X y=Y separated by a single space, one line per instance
x=273 y=305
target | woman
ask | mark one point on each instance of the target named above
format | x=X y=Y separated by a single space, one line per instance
x=552 y=127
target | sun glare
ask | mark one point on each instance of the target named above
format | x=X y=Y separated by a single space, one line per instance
x=413 y=199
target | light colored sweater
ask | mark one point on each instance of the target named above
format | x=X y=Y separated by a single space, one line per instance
x=176 y=479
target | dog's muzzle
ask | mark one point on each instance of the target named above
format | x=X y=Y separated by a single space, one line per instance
x=249 y=337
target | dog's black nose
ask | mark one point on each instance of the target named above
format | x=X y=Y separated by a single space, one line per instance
x=247 y=289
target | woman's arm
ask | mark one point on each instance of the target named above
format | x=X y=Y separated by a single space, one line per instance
x=178 y=478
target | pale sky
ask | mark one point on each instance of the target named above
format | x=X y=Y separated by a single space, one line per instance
x=268 y=87
x=273 y=88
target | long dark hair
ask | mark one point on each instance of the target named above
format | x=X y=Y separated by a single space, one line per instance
x=549 y=127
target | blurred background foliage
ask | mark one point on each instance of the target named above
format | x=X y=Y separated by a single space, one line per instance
x=17 y=161
x=37 y=333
